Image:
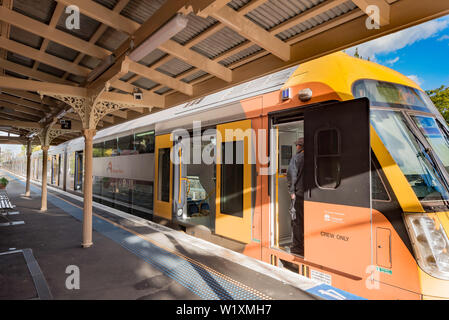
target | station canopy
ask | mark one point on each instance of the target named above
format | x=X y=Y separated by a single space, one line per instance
x=136 y=57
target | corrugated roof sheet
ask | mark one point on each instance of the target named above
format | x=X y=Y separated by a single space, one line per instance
x=195 y=26
x=219 y=42
x=25 y=37
x=174 y=67
x=153 y=57
x=61 y=51
x=237 y=4
x=240 y=55
x=111 y=39
x=17 y=58
x=41 y=10
x=326 y=16
x=145 y=83
x=194 y=76
x=274 y=12
x=88 y=26
x=51 y=70
x=141 y=10
x=110 y=4
x=90 y=62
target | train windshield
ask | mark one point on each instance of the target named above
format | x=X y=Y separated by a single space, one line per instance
x=436 y=135
x=410 y=154
x=392 y=95
x=392 y=107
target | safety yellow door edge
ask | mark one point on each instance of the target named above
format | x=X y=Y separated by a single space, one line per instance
x=161 y=208
x=401 y=187
x=227 y=225
x=277 y=189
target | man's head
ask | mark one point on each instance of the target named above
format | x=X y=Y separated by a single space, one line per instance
x=299 y=144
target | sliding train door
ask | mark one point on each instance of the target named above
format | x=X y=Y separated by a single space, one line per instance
x=163 y=177
x=233 y=184
x=337 y=197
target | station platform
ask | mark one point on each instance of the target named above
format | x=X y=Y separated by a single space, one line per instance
x=132 y=258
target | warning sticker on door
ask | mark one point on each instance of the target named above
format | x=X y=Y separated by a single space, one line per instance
x=321 y=277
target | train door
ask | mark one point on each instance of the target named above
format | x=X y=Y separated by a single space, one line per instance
x=163 y=177
x=78 y=171
x=234 y=185
x=286 y=134
x=194 y=183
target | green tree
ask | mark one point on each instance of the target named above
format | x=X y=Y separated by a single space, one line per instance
x=440 y=98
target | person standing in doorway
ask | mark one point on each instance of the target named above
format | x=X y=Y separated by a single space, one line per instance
x=295 y=175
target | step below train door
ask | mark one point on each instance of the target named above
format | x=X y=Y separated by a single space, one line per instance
x=337 y=184
x=163 y=177
x=233 y=183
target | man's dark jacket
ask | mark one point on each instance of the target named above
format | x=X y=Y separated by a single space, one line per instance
x=295 y=174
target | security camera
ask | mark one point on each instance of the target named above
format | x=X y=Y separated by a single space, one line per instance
x=138 y=95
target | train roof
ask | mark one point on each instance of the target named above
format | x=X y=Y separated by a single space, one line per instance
x=339 y=71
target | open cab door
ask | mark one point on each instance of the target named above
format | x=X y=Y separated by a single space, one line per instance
x=337 y=183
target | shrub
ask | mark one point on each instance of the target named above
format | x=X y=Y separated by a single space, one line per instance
x=4 y=181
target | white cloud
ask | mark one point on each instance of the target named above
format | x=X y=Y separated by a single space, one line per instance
x=416 y=79
x=445 y=37
x=392 y=61
x=401 y=39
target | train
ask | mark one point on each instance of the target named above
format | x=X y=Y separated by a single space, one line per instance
x=376 y=174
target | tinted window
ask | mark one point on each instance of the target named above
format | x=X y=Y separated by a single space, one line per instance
x=98 y=150
x=327 y=159
x=164 y=175
x=144 y=142
x=386 y=94
x=231 y=201
x=110 y=148
x=126 y=145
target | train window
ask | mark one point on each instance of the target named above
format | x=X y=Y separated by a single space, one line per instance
x=125 y=145
x=110 y=148
x=144 y=142
x=231 y=195
x=163 y=193
x=327 y=159
x=98 y=150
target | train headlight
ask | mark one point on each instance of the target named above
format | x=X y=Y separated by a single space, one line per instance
x=431 y=244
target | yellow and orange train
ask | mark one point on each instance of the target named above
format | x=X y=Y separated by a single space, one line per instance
x=376 y=174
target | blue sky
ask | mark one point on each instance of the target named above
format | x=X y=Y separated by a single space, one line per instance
x=420 y=52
